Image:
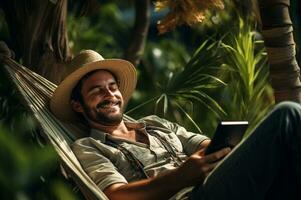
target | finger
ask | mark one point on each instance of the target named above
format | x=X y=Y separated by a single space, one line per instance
x=200 y=153
x=209 y=168
x=213 y=157
x=212 y=166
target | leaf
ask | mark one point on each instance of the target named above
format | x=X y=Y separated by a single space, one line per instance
x=190 y=118
x=141 y=105
x=157 y=103
x=165 y=108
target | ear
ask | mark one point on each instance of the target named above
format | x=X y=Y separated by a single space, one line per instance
x=77 y=106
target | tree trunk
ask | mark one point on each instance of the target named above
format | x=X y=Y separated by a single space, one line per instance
x=137 y=43
x=280 y=45
x=38 y=35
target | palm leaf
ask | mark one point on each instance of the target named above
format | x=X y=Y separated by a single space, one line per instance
x=189 y=117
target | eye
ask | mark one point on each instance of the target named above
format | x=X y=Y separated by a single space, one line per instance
x=95 y=91
x=114 y=86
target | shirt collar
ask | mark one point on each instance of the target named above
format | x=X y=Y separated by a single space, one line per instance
x=101 y=135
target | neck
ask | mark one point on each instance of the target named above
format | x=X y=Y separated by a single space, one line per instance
x=113 y=129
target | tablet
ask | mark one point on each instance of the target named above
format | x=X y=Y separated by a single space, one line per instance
x=227 y=134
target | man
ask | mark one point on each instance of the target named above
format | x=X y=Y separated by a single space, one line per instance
x=156 y=159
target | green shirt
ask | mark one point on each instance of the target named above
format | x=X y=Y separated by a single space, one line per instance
x=107 y=165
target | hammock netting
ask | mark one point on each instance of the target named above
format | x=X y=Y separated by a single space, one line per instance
x=37 y=91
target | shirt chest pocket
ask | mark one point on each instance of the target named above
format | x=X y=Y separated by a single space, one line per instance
x=143 y=154
x=172 y=140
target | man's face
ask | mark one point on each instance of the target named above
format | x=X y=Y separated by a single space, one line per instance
x=103 y=102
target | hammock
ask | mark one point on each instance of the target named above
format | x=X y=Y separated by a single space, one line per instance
x=37 y=91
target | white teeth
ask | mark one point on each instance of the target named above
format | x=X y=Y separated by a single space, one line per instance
x=111 y=104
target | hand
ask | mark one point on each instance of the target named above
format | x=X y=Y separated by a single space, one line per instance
x=203 y=145
x=198 y=166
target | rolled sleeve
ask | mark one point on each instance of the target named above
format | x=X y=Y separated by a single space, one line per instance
x=190 y=141
x=100 y=169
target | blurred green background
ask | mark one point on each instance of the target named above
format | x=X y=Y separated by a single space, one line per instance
x=195 y=76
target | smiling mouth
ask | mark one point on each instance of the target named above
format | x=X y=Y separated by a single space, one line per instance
x=108 y=104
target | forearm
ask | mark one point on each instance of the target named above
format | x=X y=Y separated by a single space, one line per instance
x=160 y=187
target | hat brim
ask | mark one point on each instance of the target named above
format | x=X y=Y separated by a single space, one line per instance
x=123 y=70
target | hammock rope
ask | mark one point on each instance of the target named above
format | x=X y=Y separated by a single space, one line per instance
x=37 y=91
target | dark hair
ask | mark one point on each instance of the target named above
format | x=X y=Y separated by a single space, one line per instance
x=76 y=94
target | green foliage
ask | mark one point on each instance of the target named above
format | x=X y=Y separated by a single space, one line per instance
x=96 y=32
x=26 y=170
x=248 y=95
x=182 y=88
x=225 y=79
x=159 y=60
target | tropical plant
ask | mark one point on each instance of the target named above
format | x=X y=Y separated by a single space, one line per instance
x=181 y=89
x=248 y=94
x=193 y=94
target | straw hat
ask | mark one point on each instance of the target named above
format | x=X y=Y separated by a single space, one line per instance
x=85 y=62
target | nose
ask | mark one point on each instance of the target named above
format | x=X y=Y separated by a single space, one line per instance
x=108 y=93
